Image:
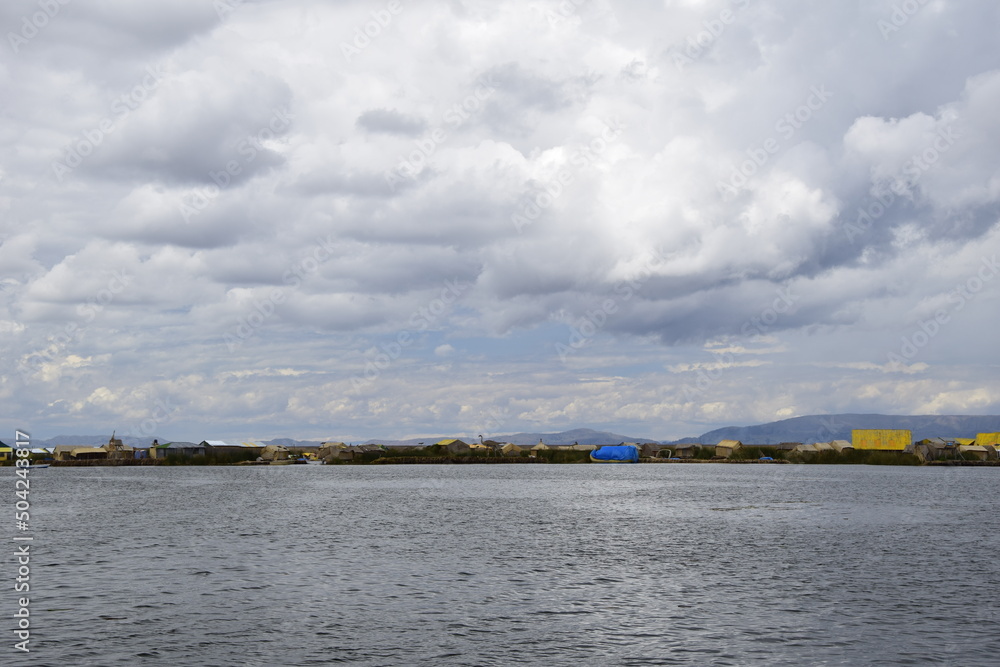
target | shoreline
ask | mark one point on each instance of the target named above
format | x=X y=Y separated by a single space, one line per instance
x=459 y=460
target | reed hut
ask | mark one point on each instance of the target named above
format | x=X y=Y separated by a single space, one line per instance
x=725 y=448
x=454 y=446
x=328 y=449
x=88 y=453
x=683 y=451
x=977 y=452
x=510 y=449
x=275 y=453
x=842 y=446
x=177 y=449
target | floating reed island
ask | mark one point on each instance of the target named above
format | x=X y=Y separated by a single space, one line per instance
x=866 y=447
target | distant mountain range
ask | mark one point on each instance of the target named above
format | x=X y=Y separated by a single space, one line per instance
x=823 y=428
x=133 y=441
x=288 y=442
x=582 y=436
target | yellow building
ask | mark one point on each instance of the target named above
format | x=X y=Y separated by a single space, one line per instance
x=988 y=439
x=881 y=438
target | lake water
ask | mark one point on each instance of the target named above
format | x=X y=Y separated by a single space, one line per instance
x=685 y=564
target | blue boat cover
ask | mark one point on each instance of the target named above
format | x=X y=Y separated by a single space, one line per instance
x=616 y=454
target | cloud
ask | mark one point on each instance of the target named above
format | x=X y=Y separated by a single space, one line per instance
x=559 y=218
x=390 y=121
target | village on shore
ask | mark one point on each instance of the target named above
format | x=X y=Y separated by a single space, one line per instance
x=879 y=446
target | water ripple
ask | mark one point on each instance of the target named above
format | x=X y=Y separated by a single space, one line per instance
x=500 y=565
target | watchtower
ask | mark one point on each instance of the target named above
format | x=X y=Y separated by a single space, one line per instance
x=116 y=450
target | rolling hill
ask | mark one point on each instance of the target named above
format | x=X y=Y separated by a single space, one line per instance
x=823 y=428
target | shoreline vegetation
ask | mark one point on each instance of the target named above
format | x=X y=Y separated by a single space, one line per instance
x=869 y=447
x=762 y=455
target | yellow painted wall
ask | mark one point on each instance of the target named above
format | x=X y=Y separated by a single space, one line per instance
x=988 y=439
x=881 y=438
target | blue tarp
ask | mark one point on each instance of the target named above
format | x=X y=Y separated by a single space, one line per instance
x=616 y=454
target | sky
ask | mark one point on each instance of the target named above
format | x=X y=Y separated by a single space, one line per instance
x=390 y=219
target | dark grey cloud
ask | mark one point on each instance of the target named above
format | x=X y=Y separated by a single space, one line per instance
x=193 y=133
x=390 y=121
x=103 y=39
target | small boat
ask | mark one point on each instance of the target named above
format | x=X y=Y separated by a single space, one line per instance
x=615 y=454
x=37 y=465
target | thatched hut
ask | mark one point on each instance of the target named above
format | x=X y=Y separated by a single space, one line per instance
x=275 y=453
x=88 y=453
x=842 y=446
x=454 y=446
x=977 y=452
x=328 y=449
x=725 y=448
x=510 y=449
